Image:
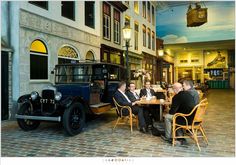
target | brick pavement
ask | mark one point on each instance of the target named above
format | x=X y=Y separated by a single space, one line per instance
x=97 y=139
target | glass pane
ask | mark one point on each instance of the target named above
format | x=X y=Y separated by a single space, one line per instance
x=68 y=51
x=38 y=67
x=38 y=46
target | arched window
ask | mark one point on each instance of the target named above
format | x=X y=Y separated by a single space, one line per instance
x=38 y=60
x=90 y=56
x=67 y=54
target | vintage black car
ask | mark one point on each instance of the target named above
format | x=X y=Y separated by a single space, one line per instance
x=80 y=89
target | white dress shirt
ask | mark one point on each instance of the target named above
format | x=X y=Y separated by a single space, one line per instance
x=135 y=94
x=149 y=93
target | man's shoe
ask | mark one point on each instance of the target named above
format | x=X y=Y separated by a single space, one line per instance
x=150 y=127
x=143 y=130
x=169 y=140
x=183 y=141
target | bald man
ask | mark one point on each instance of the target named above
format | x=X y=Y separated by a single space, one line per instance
x=182 y=102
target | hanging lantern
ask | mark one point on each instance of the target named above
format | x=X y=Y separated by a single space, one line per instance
x=196 y=16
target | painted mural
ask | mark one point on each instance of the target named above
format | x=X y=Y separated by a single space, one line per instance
x=216 y=59
x=172 y=23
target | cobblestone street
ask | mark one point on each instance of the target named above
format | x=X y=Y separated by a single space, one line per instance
x=97 y=140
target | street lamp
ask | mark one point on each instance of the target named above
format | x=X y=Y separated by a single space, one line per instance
x=127 y=37
x=160 y=54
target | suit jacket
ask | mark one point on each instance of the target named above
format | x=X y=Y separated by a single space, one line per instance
x=183 y=102
x=195 y=95
x=120 y=98
x=143 y=92
x=131 y=96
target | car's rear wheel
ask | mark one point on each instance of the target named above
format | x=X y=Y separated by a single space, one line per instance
x=74 y=119
x=26 y=124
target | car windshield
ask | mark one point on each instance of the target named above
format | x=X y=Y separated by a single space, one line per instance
x=87 y=73
x=70 y=74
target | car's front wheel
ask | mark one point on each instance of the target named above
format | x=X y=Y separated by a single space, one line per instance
x=74 y=119
x=26 y=124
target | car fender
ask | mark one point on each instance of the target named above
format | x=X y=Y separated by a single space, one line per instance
x=24 y=98
x=77 y=99
x=25 y=102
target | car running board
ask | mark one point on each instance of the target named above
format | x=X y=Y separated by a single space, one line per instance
x=44 y=118
x=100 y=108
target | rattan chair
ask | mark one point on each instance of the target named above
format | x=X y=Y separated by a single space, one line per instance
x=196 y=126
x=122 y=120
x=201 y=94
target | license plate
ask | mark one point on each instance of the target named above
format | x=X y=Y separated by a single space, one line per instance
x=47 y=101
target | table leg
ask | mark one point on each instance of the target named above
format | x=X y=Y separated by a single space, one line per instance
x=161 y=112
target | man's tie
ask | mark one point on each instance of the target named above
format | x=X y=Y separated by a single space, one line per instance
x=136 y=95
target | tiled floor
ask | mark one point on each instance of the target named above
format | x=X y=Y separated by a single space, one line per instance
x=97 y=140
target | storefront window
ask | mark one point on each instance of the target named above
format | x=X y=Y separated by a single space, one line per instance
x=104 y=57
x=115 y=58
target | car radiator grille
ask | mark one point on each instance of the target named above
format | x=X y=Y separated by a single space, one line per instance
x=48 y=102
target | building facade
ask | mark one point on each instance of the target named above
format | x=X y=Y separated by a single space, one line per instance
x=111 y=31
x=141 y=16
x=41 y=34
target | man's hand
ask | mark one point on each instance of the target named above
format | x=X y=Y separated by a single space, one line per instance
x=133 y=103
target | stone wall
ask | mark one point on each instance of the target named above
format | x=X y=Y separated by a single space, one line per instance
x=54 y=35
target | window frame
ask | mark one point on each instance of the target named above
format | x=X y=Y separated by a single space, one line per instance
x=149 y=37
x=87 y=16
x=144 y=36
x=38 y=5
x=106 y=18
x=149 y=11
x=39 y=54
x=136 y=7
x=136 y=33
x=144 y=7
x=153 y=40
x=116 y=26
x=153 y=15
x=64 y=16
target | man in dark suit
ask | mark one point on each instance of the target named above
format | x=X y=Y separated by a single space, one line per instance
x=182 y=102
x=147 y=92
x=133 y=96
x=123 y=100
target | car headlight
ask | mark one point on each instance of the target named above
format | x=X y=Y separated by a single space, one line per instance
x=34 y=95
x=58 y=96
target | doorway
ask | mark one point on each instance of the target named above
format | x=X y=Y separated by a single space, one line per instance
x=4 y=85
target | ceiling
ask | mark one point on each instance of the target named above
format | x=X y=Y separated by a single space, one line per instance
x=195 y=46
x=168 y=5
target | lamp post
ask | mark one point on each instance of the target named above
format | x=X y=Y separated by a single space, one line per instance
x=160 y=54
x=127 y=37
